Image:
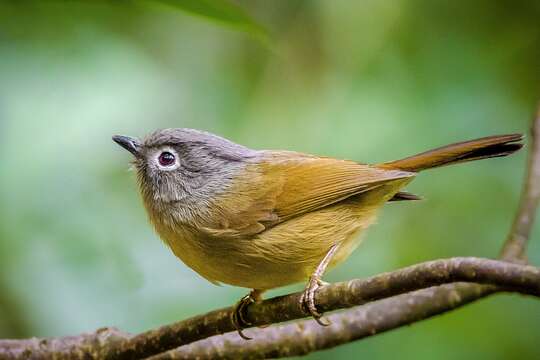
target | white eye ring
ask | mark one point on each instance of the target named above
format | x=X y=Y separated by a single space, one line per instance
x=167 y=159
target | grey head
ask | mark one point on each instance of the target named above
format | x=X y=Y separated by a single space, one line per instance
x=184 y=165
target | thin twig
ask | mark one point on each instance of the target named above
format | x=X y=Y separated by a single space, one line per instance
x=516 y=243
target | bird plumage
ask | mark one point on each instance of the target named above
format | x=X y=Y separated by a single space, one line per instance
x=265 y=218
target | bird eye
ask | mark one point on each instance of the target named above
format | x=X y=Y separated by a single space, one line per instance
x=166 y=159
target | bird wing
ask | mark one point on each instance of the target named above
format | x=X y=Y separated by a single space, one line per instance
x=285 y=185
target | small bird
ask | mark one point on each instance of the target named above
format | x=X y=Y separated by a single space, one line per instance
x=262 y=219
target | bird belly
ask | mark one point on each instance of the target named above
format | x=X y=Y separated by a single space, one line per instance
x=289 y=254
x=284 y=254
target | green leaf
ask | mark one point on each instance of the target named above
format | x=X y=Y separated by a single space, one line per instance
x=221 y=11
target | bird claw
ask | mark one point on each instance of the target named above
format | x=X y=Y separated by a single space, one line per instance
x=237 y=317
x=307 y=300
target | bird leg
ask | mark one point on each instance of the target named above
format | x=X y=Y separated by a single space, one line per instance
x=238 y=315
x=307 y=300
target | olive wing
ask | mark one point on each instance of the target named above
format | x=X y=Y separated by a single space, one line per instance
x=281 y=187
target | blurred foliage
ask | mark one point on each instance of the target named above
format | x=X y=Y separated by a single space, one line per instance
x=366 y=80
x=222 y=12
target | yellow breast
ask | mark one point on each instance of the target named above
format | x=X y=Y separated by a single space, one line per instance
x=284 y=254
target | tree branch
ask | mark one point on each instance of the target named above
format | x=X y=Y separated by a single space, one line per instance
x=303 y=337
x=110 y=343
x=516 y=243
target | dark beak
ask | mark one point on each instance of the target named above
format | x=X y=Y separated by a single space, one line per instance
x=132 y=145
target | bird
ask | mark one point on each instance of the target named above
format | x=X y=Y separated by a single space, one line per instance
x=263 y=219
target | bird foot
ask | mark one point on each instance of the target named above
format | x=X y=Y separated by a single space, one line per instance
x=307 y=300
x=238 y=315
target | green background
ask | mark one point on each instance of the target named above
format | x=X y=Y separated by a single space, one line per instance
x=365 y=80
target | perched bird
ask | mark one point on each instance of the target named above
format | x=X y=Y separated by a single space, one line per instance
x=262 y=219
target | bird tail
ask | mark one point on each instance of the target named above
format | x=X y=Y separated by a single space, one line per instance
x=483 y=148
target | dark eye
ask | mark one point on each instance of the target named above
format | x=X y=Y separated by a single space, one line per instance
x=166 y=159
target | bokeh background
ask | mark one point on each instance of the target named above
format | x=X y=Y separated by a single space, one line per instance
x=366 y=80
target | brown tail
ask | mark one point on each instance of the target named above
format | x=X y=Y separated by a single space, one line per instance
x=488 y=147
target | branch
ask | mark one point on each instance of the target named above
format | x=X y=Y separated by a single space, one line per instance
x=516 y=243
x=110 y=343
x=378 y=316
x=306 y=336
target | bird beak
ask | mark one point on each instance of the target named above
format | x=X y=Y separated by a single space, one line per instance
x=131 y=144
